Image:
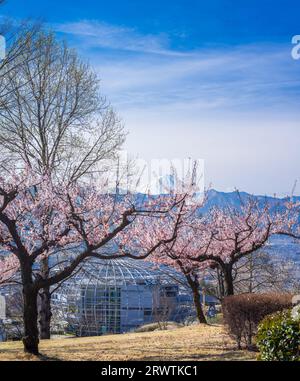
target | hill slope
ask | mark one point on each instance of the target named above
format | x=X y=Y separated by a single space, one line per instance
x=197 y=342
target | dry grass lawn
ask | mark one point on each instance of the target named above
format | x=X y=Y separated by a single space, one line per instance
x=198 y=342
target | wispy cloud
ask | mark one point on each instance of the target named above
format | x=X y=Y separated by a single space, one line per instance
x=103 y=35
x=244 y=77
x=143 y=70
x=236 y=106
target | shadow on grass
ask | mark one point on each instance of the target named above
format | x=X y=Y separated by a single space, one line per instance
x=43 y=357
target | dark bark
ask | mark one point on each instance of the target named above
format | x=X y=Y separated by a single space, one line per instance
x=45 y=313
x=200 y=315
x=44 y=303
x=228 y=279
x=220 y=277
x=194 y=285
x=30 y=310
x=30 y=316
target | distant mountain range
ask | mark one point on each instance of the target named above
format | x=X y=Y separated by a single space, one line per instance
x=223 y=199
x=279 y=246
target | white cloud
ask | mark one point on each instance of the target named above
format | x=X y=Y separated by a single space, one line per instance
x=235 y=107
x=242 y=77
x=142 y=70
x=103 y=35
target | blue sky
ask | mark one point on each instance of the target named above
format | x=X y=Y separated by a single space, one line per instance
x=205 y=79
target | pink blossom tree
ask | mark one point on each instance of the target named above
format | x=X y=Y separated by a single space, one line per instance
x=221 y=237
x=289 y=221
x=8 y=267
x=39 y=218
x=177 y=254
x=227 y=235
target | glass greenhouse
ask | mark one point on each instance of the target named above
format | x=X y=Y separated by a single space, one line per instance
x=115 y=296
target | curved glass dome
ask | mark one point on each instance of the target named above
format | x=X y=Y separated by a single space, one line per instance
x=115 y=296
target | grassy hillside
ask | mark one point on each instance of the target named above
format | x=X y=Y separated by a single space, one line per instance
x=197 y=342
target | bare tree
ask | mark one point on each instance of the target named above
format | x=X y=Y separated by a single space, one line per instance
x=259 y=273
x=16 y=39
x=53 y=117
x=13 y=324
x=54 y=120
x=256 y=273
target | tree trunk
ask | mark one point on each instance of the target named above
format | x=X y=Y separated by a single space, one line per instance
x=194 y=285
x=30 y=310
x=220 y=277
x=30 y=316
x=251 y=273
x=198 y=306
x=227 y=270
x=44 y=307
x=45 y=313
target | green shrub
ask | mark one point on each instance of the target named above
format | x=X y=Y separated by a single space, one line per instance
x=278 y=338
